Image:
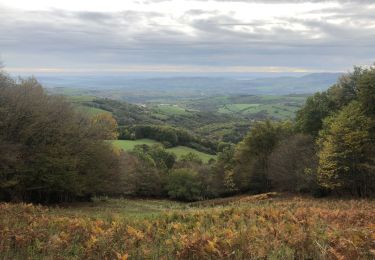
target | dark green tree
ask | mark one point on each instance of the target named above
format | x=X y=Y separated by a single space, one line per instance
x=309 y=119
x=293 y=164
x=184 y=184
x=49 y=151
x=252 y=154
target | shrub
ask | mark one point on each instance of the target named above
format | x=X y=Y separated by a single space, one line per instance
x=184 y=184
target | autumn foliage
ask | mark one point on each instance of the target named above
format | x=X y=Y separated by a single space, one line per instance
x=246 y=227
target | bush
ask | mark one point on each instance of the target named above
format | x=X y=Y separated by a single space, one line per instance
x=184 y=184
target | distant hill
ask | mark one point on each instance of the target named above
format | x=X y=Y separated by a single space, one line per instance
x=141 y=90
x=292 y=85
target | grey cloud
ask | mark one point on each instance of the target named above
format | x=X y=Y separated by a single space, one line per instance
x=298 y=1
x=277 y=1
x=62 y=38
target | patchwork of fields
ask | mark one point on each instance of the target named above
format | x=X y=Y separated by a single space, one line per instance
x=279 y=111
x=267 y=226
x=278 y=107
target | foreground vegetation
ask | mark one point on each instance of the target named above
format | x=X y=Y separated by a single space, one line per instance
x=248 y=227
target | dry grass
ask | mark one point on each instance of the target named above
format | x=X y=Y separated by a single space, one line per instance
x=246 y=227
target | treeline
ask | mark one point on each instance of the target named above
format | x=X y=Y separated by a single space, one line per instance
x=125 y=113
x=168 y=136
x=152 y=171
x=207 y=128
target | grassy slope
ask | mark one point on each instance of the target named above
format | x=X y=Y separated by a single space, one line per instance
x=79 y=101
x=128 y=145
x=276 y=110
x=92 y=111
x=169 y=109
x=246 y=227
x=282 y=107
x=182 y=150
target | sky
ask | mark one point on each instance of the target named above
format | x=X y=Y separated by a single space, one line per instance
x=183 y=36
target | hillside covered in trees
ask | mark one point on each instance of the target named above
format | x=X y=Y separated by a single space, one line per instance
x=51 y=151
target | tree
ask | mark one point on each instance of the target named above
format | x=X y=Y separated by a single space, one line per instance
x=106 y=125
x=293 y=164
x=346 y=147
x=148 y=179
x=184 y=184
x=253 y=152
x=309 y=119
x=225 y=175
x=366 y=91
x=345 y=90
x=161 y=158
x=49 y=151
x=191 y=158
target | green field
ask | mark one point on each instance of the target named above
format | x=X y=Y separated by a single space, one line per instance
x=237 y=108
x=182 y=150
x=280 y=111
x=250 y=106
x=80 y=102
x=129 y=145
x=80 y=98
x=169 y=109
x=92 y=111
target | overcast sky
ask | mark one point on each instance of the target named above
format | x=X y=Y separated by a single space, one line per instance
x=81 y=36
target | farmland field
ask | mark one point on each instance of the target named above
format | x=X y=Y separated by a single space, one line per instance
x=169 y=109
x=266 y=226
x=280 y=111
x=129 y=145
x=248 y=106
x=183 y=150
x=92 y=111
x=236 y=108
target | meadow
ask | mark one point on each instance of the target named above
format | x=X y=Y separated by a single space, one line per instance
x=168 y=109
x=128 y=145
x=279 y=111
x=266 y=226
x=92 y=111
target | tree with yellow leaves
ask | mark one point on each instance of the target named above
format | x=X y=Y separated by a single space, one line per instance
x=106 y=125
x=345 y=147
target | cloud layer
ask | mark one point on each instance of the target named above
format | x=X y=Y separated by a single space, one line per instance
x=219 y=35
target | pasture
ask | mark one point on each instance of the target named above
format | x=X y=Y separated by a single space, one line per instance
x=128 y=145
